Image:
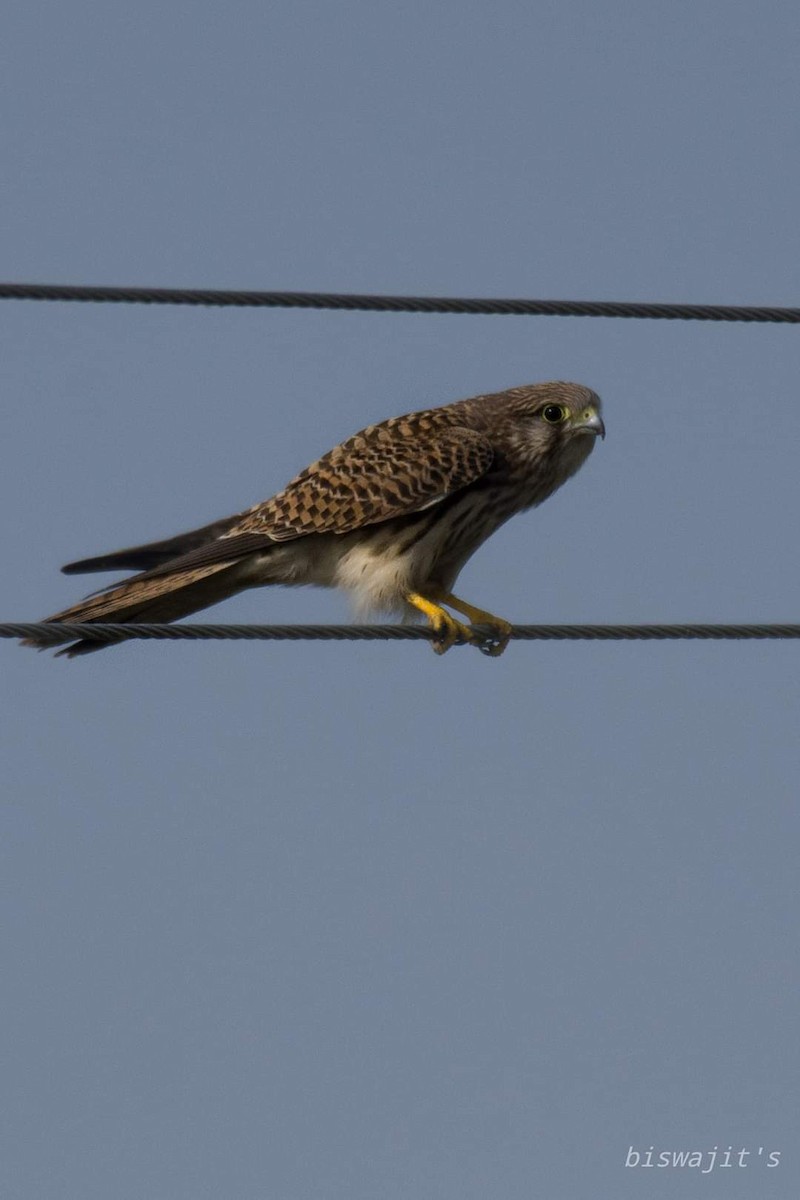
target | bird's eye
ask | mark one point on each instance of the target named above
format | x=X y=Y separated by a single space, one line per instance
x=554 y=414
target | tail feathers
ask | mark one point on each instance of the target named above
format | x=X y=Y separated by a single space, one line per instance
x=150 y=599
x=153 y=554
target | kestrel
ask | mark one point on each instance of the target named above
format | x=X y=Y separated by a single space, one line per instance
x=391 y=515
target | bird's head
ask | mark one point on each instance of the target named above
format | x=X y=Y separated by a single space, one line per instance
x=548 y=432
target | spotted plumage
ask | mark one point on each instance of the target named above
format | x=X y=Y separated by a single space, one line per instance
x=391 y=515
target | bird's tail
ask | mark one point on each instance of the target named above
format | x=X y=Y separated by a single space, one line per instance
x=151 y=597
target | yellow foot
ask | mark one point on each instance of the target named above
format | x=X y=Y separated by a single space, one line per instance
x=492 y=633
x=494 y=641
x=491 y=636
x=446 y=629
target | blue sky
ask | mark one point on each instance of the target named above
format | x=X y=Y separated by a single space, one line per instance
x=355 y=921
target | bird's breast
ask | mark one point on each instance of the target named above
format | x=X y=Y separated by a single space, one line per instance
x=380 y=564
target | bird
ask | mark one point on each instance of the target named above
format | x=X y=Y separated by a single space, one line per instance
x=390 y=515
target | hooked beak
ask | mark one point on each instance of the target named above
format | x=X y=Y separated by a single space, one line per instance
x=591 y=421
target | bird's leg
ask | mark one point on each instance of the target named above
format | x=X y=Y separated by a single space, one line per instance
x=447 y=630
x=501 y=630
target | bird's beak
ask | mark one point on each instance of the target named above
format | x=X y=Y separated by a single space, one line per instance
x=590 y=421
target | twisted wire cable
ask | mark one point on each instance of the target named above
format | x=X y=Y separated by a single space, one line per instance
x=220 y=297
x=52 y=633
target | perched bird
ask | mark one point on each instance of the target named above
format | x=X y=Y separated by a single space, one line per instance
x=391 y=515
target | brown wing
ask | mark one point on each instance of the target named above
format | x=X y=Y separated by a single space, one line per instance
x=388 y=471
x=154 y=554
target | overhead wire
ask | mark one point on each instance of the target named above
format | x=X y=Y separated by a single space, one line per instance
x=56 y=633
x=350 y=302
